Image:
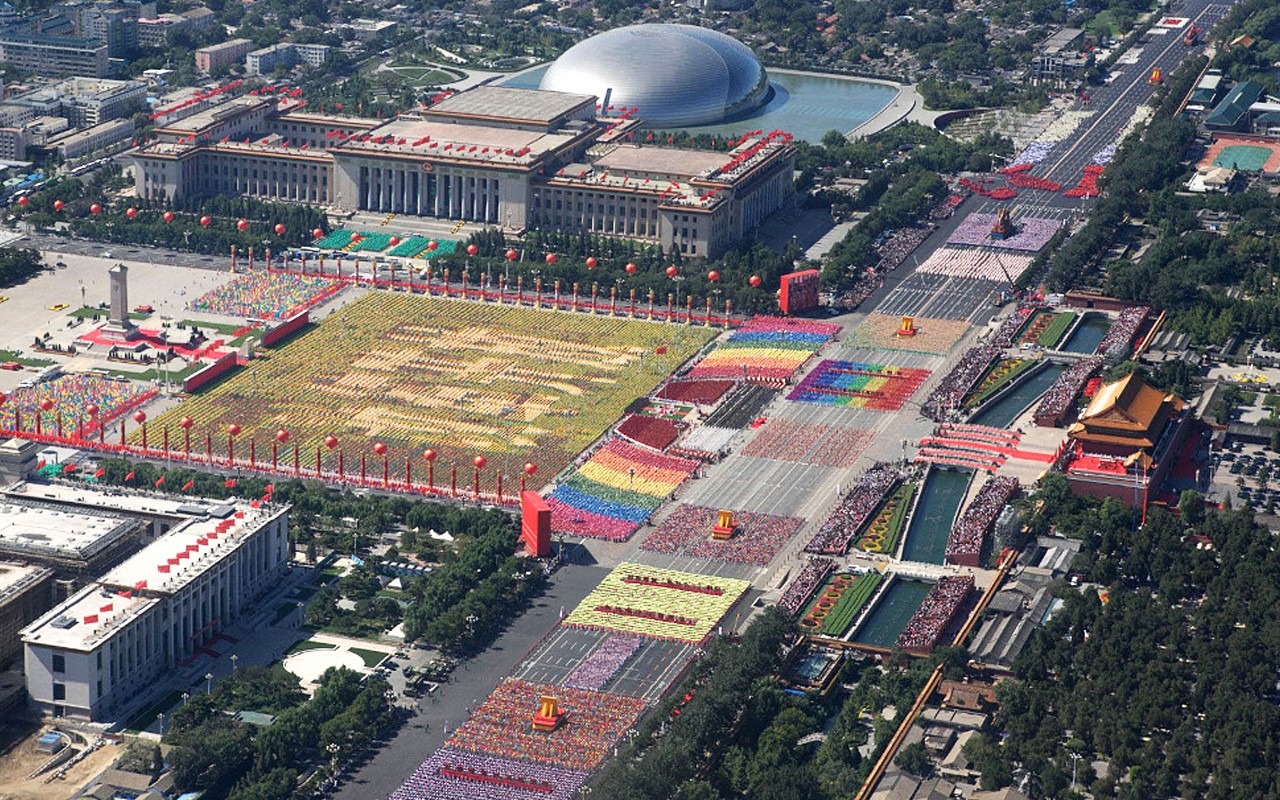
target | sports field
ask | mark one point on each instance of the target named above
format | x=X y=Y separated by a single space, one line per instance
x=463 y=378
x=1235 y=152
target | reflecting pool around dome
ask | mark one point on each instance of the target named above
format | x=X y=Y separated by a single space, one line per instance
x=806 y=105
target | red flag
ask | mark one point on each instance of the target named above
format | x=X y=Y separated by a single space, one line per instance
x=271 y=487
x=162 y=568
x=89 y=619
x=107 y=607
x=660 y=349
x=229 y=483
x=40 y=464
x=254 y=504
x=68 y=468
x=125 y=594
x=99 y=472
x=140 y=585
x=188 y=485
x=159 y=481
x=129 y=477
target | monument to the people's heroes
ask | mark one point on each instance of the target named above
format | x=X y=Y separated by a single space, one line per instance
x=119 y=326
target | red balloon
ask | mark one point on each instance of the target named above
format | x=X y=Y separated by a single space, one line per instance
x=591 y=262
x=430 y=455
x=279 y=229
x=530 y=468
x=511 y=255
x=317 y=234
x=3 y=397
x=205 y=222
x=139 y=417
x=754 y=280
x=167 y=216
x=91 y=409
x=551 y=258
x=472 y=249
x=58 y=205
x=713 y=276
x=433 y=246
x=233 y=429
x=355 y=237
x=186 y=422
x=282 y=435
x=393 y=241
x=242 y=225
x=480 y=461
x=630 y=268
x=131 y=212
x=95 y=209
x=380 y=448
x=24 y=201
x=331 y=441
x=46 y=404
x=672 y=271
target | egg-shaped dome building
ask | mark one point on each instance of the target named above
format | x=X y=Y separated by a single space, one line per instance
x=675 y=74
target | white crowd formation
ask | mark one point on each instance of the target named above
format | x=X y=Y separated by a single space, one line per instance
x=1103 y=157
x=971 y=366
x=854 y=510
x=1119 y=339
x=967 y=535
x=1067 y=387
x=982 y=265
x=708 y=439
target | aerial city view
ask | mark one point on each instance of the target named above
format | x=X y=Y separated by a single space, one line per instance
x=639 y=400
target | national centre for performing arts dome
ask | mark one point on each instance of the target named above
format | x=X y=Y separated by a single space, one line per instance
x=677 y=75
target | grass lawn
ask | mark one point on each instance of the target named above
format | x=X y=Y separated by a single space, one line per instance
x=1052 y=333
x=9 y=355
x=148 y=715
x=88 y=312
x=1004 y=371
x=511 y=384
x=890 y=519
x=222 y=328
x=372 y=658
x=308 y=644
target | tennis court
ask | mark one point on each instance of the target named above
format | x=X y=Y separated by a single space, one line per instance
x=1251 y=155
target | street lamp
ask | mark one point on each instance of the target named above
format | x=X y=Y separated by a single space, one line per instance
x=234 y=659
x=208 y=679
x=160 y=717
x=185 y=698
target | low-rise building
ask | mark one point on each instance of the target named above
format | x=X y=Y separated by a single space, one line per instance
x=217 y=56
x=285 y=54
x=55 y=55
x=26 y=592
x=78 y=144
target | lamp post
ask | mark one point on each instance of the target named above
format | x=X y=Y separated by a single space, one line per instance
x=185 y=697
x=208 y=680
x=160 y=717
x=234 y=659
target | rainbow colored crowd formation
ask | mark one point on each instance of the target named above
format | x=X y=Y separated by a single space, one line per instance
x=765 y=348
x=880 y=387
x=615 y=491
x=71 y=397
x=267 y=295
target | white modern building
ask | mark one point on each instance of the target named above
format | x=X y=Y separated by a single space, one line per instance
x=96 y=653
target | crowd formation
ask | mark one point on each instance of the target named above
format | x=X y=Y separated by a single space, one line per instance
x=597 y=669
x=757 y=540
x=1055 y=402
x=706 y=442
x=948 y=395
x=266 y=295
x=857 y=506
x=880 y=387
x=808 y=443
x=69 y=398
x=964 y=542
x=704 y=393
x=501 y=725
x=983 y=265
x=898 y=246
x=649 y=431
x=461 y=775
x=1119 y=339
x=1013 y=323
x=812 y=575
x=765 y=349
x=622 y=605
x=926 y=626
x=1030 y=233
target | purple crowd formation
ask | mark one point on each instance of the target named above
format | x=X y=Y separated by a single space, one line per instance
x=1066 y=388
x=1031 y=233
x=1115 y=345
x=964 y=543
x=854 y=510
x=812 y=575
x=971 y=366
x=597 y=669
x=940 y=605
x=460 y=775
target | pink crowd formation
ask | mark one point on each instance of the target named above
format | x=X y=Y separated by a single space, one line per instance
x=926 y=626
x=501 y=726
x=1055 y=402
x=812 y=575
x=808 y=443
x=687 y=530
x=597 y=669
x=964 y=543
x=1119 y=339
x=857 y=507
x=461 y=775
x=951 y=391
x=1031 y=233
